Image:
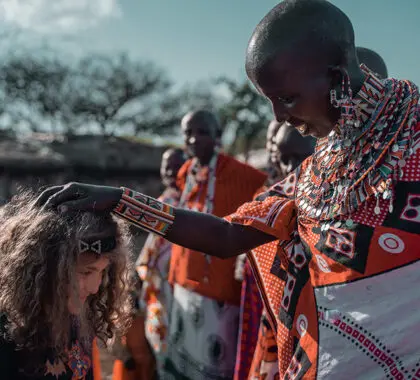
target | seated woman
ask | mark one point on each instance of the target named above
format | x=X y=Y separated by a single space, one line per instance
x=63 y=281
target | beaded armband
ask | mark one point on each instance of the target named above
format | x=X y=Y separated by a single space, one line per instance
x=145 y=212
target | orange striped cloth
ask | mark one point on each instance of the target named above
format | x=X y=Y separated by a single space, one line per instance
x=250 y=315
x=97 y=373
x=136 y=343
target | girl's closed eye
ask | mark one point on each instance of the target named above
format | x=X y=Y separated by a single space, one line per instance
x=85 y=272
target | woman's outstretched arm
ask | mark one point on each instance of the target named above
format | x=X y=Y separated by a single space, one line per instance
x=198 y=231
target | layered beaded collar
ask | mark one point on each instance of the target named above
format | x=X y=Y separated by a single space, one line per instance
x=343 y=174
x=199 y=176
x=368 y=98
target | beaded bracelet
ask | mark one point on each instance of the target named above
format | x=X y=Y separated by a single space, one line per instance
x=145 y=212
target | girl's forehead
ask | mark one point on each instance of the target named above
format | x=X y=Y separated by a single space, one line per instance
x=93 y=260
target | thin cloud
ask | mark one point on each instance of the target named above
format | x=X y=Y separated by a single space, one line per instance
x=57 y=16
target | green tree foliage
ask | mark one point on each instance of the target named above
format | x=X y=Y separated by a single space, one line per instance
x=246 y=115
x=116 y=95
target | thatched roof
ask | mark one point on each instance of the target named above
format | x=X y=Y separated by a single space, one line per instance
x=56 y=153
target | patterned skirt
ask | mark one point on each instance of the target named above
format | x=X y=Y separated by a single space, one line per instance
x=202 y=338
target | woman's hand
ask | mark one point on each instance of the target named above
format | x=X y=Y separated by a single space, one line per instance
x=76 y=196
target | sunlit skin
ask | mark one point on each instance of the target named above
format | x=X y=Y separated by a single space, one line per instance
x=297 y=82
x=89 y=272
x=172 y=161
x=299 y=93
x=200 y=138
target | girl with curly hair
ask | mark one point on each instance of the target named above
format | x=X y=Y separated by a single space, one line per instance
x=63 y=281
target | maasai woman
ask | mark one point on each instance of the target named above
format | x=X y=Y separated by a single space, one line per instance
x=265 y=363
x=147 y=337
x=204 y=321
x=338 y=261
x=62 y=280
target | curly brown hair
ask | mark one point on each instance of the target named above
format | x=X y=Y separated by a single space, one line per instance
x=39 y=252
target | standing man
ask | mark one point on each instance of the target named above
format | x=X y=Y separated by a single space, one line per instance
x=205 y=313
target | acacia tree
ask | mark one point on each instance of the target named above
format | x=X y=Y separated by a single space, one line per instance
x=118 y=94
x=247 y=115
x=38 y=93
x=98 y=94
x=42 y=91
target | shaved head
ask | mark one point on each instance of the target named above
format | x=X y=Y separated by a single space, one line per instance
x=286 y=149
x=172 y=160
x=204 y=118
x=308 y=26
x=202 y=134
x=177 y=153
x=288 y=139
x=292 y=149
x=372 y=60
x=298 y=53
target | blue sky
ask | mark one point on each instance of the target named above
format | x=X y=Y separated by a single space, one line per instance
x=196 y=39
x=199 y=39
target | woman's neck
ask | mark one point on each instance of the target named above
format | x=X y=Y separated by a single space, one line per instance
x=205 y=161
x=357 y=76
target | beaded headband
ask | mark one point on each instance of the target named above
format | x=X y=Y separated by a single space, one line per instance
x=97 y=246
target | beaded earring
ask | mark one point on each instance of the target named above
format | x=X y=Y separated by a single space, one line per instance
x=348 y=118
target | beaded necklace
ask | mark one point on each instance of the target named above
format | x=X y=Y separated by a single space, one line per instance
x=199 y=176
x=344 y=173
